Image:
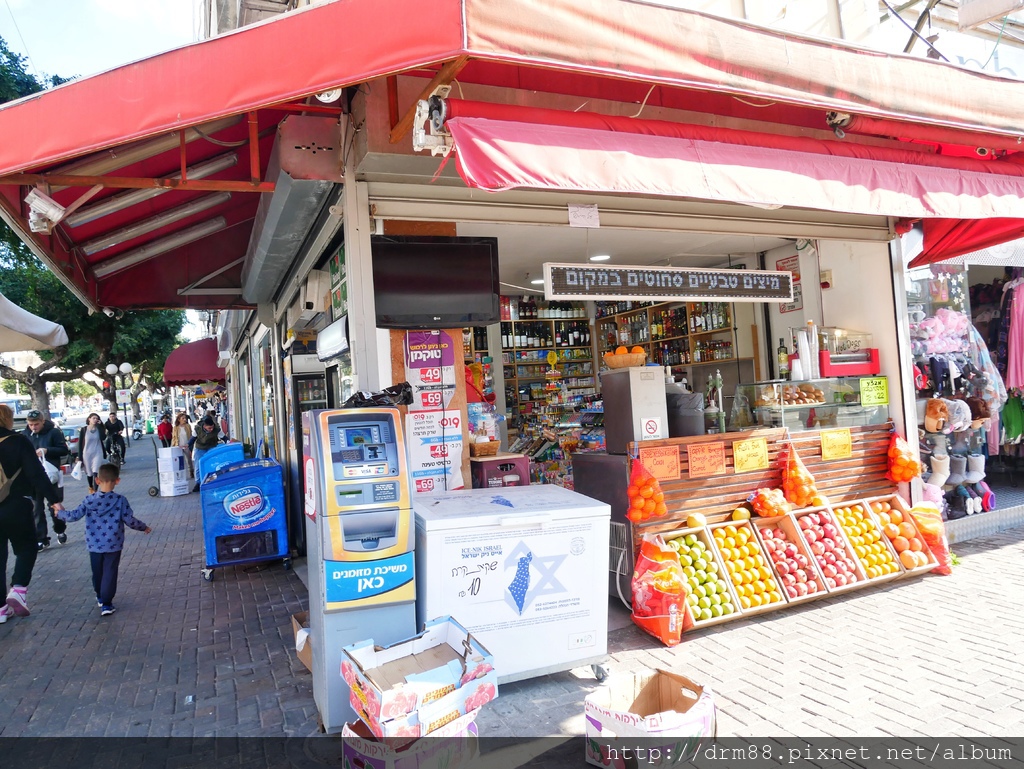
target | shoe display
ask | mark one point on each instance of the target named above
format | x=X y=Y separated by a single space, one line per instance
x=17 y=602
x=988 y=498
x=975 y=499
x=957 y=470
x=106 y=611
x=62 y=538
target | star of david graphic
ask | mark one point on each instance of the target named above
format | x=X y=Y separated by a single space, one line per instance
x=534 y=577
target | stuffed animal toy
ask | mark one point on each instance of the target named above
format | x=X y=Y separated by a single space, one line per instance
x=959 y=416
x=936 y=416
x=980 y=412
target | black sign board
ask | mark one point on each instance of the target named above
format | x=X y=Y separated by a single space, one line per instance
x=665 y=284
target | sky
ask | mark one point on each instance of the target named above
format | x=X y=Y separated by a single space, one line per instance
x=82 y=37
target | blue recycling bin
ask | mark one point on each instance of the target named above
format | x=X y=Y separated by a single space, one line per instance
x=217 y=457
x=244 y=517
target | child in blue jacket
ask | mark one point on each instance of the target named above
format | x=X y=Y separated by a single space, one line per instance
x=106 y=515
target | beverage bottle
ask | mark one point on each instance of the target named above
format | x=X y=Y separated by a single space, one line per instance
x=783 y=359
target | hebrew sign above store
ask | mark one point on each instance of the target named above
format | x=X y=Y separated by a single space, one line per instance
x=664 y=284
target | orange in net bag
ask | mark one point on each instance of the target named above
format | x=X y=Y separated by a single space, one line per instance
x=933 y=532
x=797 y=481
x=646 y=499
x=769 y=503
x=903 y=465
x=659 y=591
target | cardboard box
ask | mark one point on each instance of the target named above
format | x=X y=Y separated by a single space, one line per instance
x=175 y=489
x=417 y=686
x=303 y=647
x=170 y=478
x=171 y=464
x=650 y=704
x=452 y=747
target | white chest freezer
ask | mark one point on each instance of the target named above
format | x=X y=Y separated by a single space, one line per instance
x=522 y=568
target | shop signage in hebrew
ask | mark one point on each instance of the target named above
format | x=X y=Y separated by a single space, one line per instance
x=874 y=391
x=664 y=284
x=749 y=455
x=706 y=459
x=836 y=444
x=662 y=462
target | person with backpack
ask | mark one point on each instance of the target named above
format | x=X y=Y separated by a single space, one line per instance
x=48 y=441
x=22 y=478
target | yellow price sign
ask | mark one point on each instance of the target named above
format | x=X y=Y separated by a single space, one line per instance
x=874 y=391
x=749 y=455
x=836 y=444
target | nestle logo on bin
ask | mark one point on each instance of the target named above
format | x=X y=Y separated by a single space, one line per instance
x=244 y=503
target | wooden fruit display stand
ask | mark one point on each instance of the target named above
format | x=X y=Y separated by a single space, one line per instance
x=735 y=568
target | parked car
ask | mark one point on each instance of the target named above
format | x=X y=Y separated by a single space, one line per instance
x=71 y=438
x=58 y=417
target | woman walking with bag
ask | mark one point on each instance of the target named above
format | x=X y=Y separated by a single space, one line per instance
x=92 y=448
x=182 y=438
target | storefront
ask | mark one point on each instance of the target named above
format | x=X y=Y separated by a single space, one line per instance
x=743 y=169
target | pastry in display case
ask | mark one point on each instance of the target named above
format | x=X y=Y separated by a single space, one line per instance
x=816 y=403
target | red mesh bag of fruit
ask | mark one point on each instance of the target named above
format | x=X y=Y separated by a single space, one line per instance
x=903 y=465
x=659 y=591
x=646 y=499
x=797 y=481
x=933 y=532
x=769 y=503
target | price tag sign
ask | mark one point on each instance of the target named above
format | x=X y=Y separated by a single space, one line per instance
x=124 y=395
x=706 y=459
x=836 y=444
x=750 y=455
x=874 y=391
x=661 y=462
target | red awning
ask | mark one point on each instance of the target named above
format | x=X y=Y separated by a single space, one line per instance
x=585 y=152
x=193 y=363
x=948 y=238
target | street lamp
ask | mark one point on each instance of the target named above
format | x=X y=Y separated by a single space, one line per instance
x=125 y=370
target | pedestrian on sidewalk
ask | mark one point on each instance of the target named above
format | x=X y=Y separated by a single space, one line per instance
x=21 y=479
x=164 y=431
x=182 y=438
x=48 y=441
x=208 y=436
x=92 y=447
x=106 y=514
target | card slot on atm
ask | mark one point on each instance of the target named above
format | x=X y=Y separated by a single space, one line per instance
x=369 y=531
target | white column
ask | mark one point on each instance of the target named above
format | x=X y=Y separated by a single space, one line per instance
x=362 y=313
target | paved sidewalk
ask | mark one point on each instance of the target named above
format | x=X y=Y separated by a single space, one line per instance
x=934 y=656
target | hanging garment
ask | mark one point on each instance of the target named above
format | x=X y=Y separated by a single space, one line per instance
x=1015 y=343
x=1012 y=417
x=992 y=390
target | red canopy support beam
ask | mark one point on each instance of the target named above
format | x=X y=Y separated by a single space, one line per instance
x=129 y=182
x=254 y=148
x=181 y=152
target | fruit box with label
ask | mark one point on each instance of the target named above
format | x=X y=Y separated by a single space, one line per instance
x=451 y=747
x=703 y=584
x=667 y=708
x=414 y=687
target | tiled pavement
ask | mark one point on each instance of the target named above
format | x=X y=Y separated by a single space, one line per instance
x=935 y=656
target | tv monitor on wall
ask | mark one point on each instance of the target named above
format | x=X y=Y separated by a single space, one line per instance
x=435 y=282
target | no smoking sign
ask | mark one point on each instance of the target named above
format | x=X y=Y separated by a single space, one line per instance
x=650 y=428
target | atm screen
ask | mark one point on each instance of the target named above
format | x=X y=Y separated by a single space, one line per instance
x=358 y=451
x=359 y=436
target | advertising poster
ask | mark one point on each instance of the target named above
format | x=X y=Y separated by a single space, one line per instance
x=792 y=264
x=434 y=439
x=430 y=369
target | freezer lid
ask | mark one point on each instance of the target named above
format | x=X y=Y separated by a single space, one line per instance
x=511 y=506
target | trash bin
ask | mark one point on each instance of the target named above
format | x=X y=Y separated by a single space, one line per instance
x=685 y=412
x=244 y=517
x=218 y=457
x=149 y=426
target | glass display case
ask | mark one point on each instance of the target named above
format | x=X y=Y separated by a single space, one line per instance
x=811 y=404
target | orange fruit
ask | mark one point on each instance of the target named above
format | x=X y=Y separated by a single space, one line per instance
x=637 y=350
x=884 y=518
x=637 y=502
x=660 y=509
x=646 y=492
x=900 y=544
x=649 y=507
x=891 y=530
x=915 y=544
x=908 y=559
x=620 y=350
x=907 y=530
x=633 y=490
x=895 y=516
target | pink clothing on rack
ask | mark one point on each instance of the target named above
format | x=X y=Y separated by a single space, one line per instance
x=994 y=435
x=1015 y=344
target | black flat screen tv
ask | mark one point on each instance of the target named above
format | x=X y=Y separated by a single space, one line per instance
x=435 y=282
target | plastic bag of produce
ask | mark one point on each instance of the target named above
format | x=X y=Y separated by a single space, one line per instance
x=646 y=499
x=769 y=503
x=933 y=532
x=797 y=482
x=659 y=592
x=903 y=465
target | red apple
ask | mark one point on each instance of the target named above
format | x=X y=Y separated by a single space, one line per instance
x=830 y=557
x=830 y=530
x=782 y=568
x=801 y=559
x=818 y=548
x=841 y=553
x=801 y=575
x=831 y=583
x=780 y=534
x=812 y=586
x=806 y=523
x=815 y=518
x=840 y=580
x=810 y=535
x=791 y=550
x=829 y=570
x=801 y=588
x=789 y=579
x=829 y=543
x=791 y=591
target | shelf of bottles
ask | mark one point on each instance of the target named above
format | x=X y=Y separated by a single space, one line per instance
x=474 y=344
x=673 y=334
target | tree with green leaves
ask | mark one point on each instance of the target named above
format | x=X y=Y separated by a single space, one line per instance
x=142 y=338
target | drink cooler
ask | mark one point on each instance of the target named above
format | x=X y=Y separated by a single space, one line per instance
x=258 y=533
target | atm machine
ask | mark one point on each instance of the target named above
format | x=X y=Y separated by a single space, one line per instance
x=359 y=539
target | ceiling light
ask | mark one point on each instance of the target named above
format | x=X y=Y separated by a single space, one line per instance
x=600 y=258
x=157 y=247
x=329 y=96
x=538 y=282
x=162 y=219
x=124 y=200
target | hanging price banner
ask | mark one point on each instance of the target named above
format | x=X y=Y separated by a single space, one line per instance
x=836 y=444
x=750 y=455
x=706 y=459
x=874 y=391
x=661 y=462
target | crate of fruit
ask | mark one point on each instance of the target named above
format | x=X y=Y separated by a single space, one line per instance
x=832 y=553
x=747 y=567
x=900 y=529
x=795 y=566
x=870 y=545
x=710 y=598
